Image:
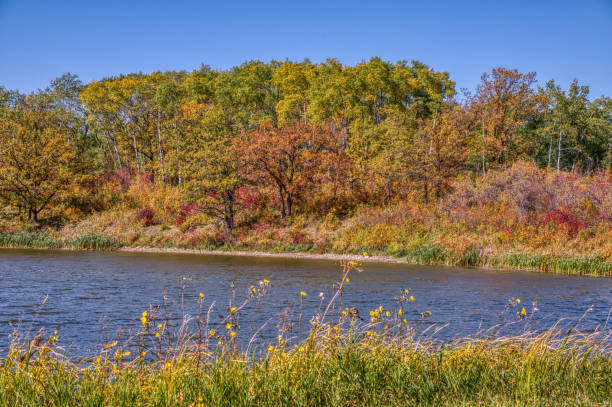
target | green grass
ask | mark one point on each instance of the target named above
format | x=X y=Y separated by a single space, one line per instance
x=432 y=254
x=592 y=265
x=92 y=241
x=344 y=371
x=28 y=239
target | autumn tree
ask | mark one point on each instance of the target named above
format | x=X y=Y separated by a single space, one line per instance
x=292 y=159
x=504 y=102
x=247 y=94
x=292 y=81
x=36 y=160
x=575 y=130
x=210 y=167
x=439 y=150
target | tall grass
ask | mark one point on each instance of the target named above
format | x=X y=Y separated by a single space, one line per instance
x=92 y=241
x=44 y=240
x=592 y=265
x=432 y=254
x=329 y=370
x=342 y=361
x=28 y=239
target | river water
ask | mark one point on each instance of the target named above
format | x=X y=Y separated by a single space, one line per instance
x=94 y=297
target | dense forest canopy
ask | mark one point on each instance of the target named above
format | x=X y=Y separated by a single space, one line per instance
x=308 y=138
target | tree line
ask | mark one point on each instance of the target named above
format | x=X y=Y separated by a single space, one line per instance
x=314 y=137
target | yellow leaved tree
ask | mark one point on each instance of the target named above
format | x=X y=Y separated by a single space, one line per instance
x=36 y=159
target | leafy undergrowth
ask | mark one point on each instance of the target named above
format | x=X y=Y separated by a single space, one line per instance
x=342 y=361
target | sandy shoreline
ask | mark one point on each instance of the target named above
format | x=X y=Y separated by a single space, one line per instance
x=311 y=256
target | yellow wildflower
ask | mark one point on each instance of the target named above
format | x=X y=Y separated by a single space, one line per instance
x=228 y=326
x=411 y=298
x=523 y=312
x=201 y=295
x=160 y=326
x=302 y=293
x=232 y=309
x=388 y=314
x=365 y=254
x=399 y=312
x=266 y=281
x=233 y=334
x=211 y=332
x=157 y=334
x=518 y=301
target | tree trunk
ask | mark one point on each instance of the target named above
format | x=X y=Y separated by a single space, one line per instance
x=180 y=177
x=159 y=145
x=281 y=197
x=559 y=152
x=116 y=150
x=110 y=151
x=229 y=214
x=484 y=146
x=136 y=153
x=550 y=144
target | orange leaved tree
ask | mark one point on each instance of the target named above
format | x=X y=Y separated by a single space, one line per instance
x=293 y=160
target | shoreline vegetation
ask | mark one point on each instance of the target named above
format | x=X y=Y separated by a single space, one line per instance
x=294 y=157
x=334 y=357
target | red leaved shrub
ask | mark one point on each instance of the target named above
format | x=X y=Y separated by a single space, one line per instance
x=145 y=216
x=184 y=211
x=564 y=216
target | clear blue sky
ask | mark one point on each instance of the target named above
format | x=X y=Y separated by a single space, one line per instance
x=40 y=40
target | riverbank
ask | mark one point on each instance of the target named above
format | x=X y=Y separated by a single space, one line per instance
x=575 y=265
x=310 y=256
x=430 y=255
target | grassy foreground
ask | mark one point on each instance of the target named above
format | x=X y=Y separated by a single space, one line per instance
x=343 y=360
x=340 y=370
